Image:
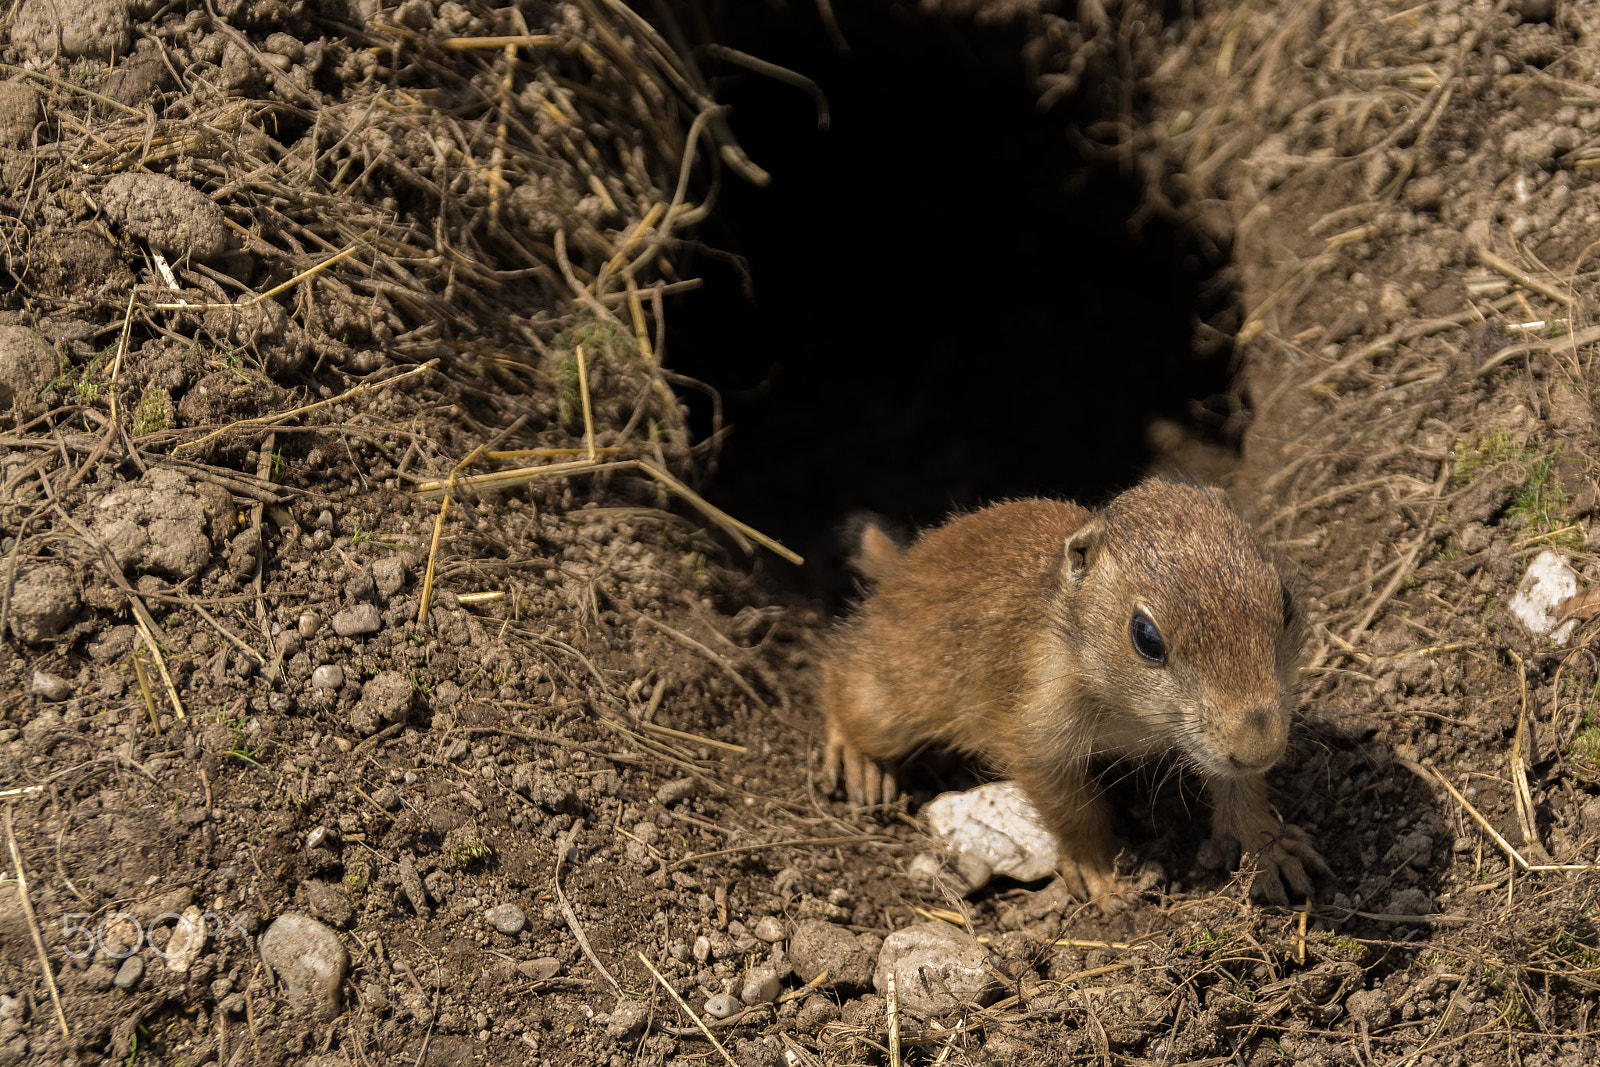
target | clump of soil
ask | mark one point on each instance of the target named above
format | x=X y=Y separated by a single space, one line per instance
x=319 y=743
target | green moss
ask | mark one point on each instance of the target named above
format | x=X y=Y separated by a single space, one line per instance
x=1586 y=742
x=465 y=846
x=150 y=414
x=1482 y=450
x=1540 y=505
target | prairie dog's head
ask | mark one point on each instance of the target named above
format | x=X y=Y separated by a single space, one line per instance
x=1186 y=625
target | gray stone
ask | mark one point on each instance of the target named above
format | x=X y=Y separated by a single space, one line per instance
x=389 y=575
x=188 y=939
x=173 y=216
x=309 y=960
x=627 y=1019
x=327 y=676
x=760 y=985
x=51 y=687
x=676 y=791
x=44 y=600
x=721 y=1006
x=113 y=644
x=818 y=946
x=770 y=929
x=308 y=624
x=937 y=968
x=129 y=973
x=28 y=363
x=993 y=828
x=542 y=969
x=361 y=620
x=507 y=918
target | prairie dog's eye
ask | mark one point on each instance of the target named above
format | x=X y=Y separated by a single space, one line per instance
x=1147 y=640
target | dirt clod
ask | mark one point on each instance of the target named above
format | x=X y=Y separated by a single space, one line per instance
x=175 y=217
x=100 y=29
x=28 y=363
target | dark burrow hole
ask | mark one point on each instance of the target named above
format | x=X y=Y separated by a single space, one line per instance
x=939 y=302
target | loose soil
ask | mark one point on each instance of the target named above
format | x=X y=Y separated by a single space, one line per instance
x=538 y=753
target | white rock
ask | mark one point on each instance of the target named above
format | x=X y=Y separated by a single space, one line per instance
x=997 y=825
x=188 y=938
x=937 y=968
x=1548 y=582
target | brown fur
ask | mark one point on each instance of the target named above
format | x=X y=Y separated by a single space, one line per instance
x=1005 y=634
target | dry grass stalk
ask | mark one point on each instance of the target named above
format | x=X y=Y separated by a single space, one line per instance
x=687 y=1010
x=563 y=846
x=305 y=409
x=893 y=997
x=21 y=874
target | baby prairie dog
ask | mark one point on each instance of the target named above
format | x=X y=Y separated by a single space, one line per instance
x=1046 y=638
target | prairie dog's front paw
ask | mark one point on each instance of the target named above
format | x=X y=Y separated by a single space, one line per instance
x=1095 y=884
x=1283 y=864
x=866 y=784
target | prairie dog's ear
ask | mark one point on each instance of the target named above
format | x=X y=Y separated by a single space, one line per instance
x=1083 y=549
x=874 y=552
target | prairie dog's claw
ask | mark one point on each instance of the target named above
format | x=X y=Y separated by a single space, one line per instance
x=1095 y=885
x=866 y=784
x=1283 y=867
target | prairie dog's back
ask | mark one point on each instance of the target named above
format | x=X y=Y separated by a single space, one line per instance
x=942 y=639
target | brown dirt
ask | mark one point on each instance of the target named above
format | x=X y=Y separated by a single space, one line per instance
x=217 y=692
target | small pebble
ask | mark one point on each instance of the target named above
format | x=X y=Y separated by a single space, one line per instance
x=702 y=949
x=760 y=985
x=769 y=928
x=51 y=687
x=675 y=791
x=362 y=620
x=310 y=622
x=507 y=918
x=129 y=973
x=721 y=1006
x=627 y=1019
x=328 y=676
x=187 y=940
x=321 y=837
x=540 y=969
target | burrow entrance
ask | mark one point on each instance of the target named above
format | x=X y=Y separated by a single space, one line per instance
x=939 y=301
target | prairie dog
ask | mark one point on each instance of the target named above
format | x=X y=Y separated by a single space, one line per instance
x=1043 y=637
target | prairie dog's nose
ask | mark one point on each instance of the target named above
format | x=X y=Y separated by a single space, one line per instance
x=1258 y=737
